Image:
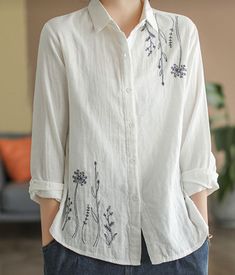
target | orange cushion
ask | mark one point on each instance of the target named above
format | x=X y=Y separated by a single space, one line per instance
x=15 y=154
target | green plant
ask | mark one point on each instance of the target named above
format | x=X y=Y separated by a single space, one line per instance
x=224 y=137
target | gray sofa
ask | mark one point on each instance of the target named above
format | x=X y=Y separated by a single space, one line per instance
x=15 y=203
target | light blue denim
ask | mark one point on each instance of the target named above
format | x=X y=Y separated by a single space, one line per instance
x=59 y=260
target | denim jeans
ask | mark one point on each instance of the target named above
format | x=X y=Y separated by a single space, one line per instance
x=59 y=260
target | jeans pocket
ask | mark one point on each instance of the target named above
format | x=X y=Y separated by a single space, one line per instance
x=50 y=257
x=48 y=245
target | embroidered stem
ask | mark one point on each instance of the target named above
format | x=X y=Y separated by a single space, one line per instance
x=150 y=39
x=68 y=209
x=78 y=178
x=95 y=213
x=85 y=223
x=178 y=70
x=75 y=211
x=171 y=33
x=179 y=39
x=163 y=56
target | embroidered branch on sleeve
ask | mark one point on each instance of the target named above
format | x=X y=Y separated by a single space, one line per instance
x=178 y=70
x=79 y=177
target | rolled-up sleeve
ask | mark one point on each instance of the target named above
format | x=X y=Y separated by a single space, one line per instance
x=197 y=162
x=50 y=119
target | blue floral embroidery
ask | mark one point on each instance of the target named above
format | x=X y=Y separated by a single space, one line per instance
x=163 y=57
x=171 y=33
x=85 y=223
x=150 y=39
x=109 y=235
x=178 y=70
x=79 y=177
x=68 y=209
x=161 y=38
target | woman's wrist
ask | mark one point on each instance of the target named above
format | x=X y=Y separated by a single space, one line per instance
x=48 y=209
x=200 y=200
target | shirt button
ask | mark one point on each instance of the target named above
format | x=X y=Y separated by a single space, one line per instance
x=131 y=124
x=128 y=90
x=125 y=55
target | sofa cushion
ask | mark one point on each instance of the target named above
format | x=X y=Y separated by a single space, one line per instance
x=15 y=154
x=15 y=198
x=2 y=174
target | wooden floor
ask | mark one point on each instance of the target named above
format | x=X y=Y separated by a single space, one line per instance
x=20 y=250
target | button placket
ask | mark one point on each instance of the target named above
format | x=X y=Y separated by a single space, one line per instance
x=131 y=144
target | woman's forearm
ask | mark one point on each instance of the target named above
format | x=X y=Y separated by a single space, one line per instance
x=200 y=199
x=48 y=210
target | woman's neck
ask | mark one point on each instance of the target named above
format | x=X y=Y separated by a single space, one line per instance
x=126 y=13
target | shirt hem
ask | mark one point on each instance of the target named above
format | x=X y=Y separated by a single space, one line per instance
x=123 y=262
x=182 y=255
x=96 y=256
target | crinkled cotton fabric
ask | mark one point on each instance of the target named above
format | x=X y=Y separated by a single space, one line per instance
x=120 y=134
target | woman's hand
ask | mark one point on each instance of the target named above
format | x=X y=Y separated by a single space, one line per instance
x=200 y=200
x=48 y=209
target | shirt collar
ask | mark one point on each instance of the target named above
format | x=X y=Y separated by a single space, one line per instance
x=100 y=17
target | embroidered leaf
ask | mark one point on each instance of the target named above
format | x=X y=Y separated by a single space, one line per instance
x=165 y=57
x=114 y=235
x=151 y=34
x=159 y=63
x=107 y=227
x=98 y=204
x=111 y=223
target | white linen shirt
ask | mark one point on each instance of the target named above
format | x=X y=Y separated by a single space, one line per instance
x=120 y=134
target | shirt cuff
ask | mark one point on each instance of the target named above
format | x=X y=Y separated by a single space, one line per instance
x=197 y=180
x=45 y=189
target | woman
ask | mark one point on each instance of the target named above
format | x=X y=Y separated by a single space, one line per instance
x=121 y=157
